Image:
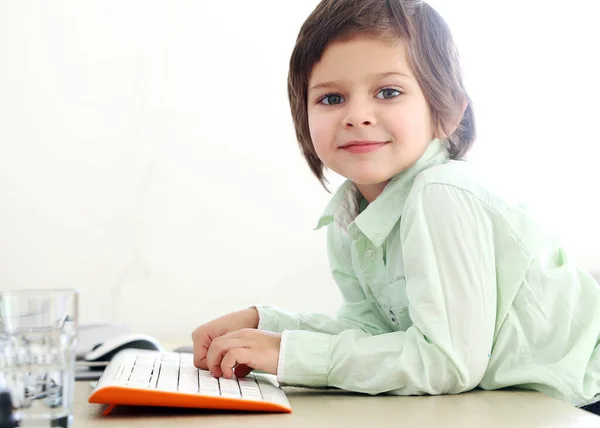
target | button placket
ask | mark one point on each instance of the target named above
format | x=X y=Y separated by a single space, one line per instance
x=353 y=232
x=370 y=270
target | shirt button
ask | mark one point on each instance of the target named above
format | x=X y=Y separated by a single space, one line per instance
x=369 y=254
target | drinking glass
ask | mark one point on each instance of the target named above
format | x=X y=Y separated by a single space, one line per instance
x=38 y=336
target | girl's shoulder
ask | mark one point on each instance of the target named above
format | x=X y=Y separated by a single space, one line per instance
x=458 y=181
x=463 y=178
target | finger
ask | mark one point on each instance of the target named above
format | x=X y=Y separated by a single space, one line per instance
x=218 y=348
x=201 y=344
x=201 y=363
x=233 y=358
x=200 y=356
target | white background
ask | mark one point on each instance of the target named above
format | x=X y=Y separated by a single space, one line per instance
x=148 y=158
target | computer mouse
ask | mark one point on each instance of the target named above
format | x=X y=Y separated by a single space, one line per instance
x=106 y=350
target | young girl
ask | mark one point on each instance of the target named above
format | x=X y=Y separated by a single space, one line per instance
x=445 y=286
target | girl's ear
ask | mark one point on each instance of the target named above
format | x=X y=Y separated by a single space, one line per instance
x=439 y=132
x=459 y=115
x=465 y=104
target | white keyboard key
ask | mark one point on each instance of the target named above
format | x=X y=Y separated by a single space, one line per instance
x=269 y=387
x=123 y=375
x=171 y=356
x=254 y=396
x=140 y=374
x=205 y=373
x=188 y=379
x=144 y=361
x=154 y=379
x=143 y=385
x=209 y=385
x=247 y=382
x=168 y=377
x=229 y=387
x=211 y=392
x=120 y=371
x=187 y=358
x=249 y=388
x=210 y=389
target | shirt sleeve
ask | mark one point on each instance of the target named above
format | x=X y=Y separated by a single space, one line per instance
x=355 y=313
x=447 y=242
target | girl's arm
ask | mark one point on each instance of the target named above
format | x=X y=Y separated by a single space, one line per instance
x=447 y=241
x=356 y=313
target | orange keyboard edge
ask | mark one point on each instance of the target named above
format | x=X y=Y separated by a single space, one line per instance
x=138 y=397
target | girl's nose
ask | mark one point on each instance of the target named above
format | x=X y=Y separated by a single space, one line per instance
x=359 y=115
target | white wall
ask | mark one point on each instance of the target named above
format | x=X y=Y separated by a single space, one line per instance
x=147 y=155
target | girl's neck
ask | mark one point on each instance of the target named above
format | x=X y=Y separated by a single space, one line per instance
x=371 y=191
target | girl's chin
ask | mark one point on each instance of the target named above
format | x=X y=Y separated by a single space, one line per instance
x=369 y=178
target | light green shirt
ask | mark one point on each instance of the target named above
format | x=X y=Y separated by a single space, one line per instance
x=445 y=288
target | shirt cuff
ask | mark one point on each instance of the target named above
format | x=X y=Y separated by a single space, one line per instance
x=271 y=318
x=281 y=361
x=304 y=359
x=263 y=319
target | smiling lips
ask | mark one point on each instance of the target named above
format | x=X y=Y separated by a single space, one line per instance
x=360 y=147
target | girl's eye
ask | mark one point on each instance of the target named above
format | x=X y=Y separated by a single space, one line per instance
x=388 y=93
x=331 y=99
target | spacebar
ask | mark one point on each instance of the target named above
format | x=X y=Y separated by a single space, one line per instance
x=169 y=374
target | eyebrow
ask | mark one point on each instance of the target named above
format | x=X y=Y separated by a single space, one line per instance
x=376 y=76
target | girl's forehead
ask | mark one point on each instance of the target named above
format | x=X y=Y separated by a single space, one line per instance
x=361 y=56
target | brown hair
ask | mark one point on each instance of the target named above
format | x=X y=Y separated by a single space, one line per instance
x=431 y=51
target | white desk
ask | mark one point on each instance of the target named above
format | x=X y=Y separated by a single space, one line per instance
x=312 y=408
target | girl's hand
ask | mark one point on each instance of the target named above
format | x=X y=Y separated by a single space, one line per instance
x=204 y=335
x=242 y=351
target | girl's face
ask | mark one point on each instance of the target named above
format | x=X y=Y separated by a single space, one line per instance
x=368 y=117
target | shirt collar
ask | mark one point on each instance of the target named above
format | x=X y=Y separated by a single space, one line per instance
x=378 y=219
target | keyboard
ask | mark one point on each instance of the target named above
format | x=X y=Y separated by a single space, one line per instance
x=141 y=377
